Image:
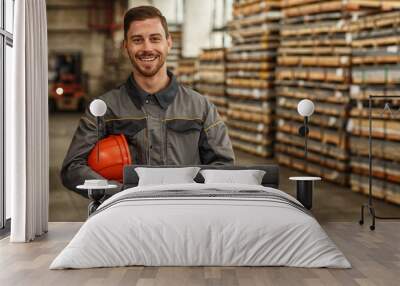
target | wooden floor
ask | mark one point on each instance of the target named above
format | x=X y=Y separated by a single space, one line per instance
x=375 y=257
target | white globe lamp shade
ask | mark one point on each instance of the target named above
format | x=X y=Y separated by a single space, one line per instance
x=305 y=108
x=98 y=107
x=60 y=91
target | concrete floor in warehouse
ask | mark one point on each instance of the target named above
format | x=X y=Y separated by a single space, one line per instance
x=330 y=203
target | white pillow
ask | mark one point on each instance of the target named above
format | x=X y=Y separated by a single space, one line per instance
x=164 y=176
x=248 y=177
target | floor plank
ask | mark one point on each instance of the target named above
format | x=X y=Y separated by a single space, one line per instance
x=375 y=257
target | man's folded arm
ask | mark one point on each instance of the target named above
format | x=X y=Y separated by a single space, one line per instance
x=75 y=170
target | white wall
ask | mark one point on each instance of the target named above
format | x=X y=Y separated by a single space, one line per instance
x=133 y=3
x=171 y=9
x=197 y=25
x=221 y=39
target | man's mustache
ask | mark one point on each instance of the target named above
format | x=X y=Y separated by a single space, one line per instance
x=147 y=54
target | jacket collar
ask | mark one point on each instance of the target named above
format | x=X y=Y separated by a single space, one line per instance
x=164 y=97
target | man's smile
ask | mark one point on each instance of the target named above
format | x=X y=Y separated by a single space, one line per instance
x=147 y=58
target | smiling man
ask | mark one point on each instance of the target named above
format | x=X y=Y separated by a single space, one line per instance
x=165 y=123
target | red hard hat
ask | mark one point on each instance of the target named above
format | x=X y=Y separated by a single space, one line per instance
x=113 y=156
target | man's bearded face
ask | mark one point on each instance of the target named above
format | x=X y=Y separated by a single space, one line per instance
x=147 y=46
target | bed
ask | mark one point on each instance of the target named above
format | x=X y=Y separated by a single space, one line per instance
x=201 y=224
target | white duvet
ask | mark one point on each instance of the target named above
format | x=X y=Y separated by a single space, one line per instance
x=183 y=231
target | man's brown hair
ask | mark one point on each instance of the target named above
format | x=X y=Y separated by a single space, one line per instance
x=141 y=13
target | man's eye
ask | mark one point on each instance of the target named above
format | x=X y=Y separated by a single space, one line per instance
x=155 y=40
x=137 y=41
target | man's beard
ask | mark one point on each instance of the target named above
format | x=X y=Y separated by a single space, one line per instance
x=144 y=72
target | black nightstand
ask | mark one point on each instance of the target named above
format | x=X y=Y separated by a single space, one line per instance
x=305 y=189
x=96 y=194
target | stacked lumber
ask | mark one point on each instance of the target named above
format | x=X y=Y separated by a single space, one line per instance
x=186 y=71
x=314 y=62
x=175 y=53
x=210 y=78
x=250 y=66
x=295 y=8
x=376 y=72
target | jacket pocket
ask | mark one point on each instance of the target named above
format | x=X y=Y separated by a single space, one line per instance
x=134 y=131
x=182 y=142
x=128 y=127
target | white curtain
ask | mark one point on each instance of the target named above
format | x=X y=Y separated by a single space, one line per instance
x=27 y=143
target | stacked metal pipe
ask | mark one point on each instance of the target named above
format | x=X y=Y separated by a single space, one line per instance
x=186 y=71
x=314 y=63
x=376 y=72
x=175 y=54
x=210 y=78
x=250 y=75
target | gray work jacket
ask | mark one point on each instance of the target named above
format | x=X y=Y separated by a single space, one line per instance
x=176 y=126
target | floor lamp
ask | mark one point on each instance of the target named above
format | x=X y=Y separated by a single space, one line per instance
x=96 y=193
x=98 y=108
x=304 y=190
x=305 y=108
x=369 y=206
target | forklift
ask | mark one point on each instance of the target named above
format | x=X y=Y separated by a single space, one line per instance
x=67 y=84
